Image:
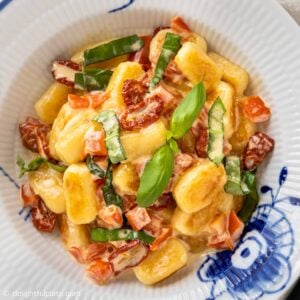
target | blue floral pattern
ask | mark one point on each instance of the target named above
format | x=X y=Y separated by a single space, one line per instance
x=259 y=263
x=121 y=7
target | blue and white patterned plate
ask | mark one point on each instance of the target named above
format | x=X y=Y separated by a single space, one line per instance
x=256 y=34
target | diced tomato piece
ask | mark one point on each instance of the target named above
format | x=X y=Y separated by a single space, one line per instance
x=78 y=102
x=155 y=226
x=77 y=253
x=227 y=229
x=100 y=271
x=28 y=197
x=255 y=109
x=177 y=24
x=166 y=232
x=138 y=217
x=96 y=99
x=94 y=143
x=111 y=216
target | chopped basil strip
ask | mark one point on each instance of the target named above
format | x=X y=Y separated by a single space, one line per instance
x=112 y=49
x=173 y=145
x=216 y=132
x=169 y=49
x=110 y=123
x=35 y=164
x=233 y=171
x=107 y=235
x=94 y=168
x=109 y=194
x=187 y=111
x=92 y=79
x=251 y=200
x=156 y=176
x=237 y=182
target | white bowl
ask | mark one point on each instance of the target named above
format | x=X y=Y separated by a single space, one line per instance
x=259 y=36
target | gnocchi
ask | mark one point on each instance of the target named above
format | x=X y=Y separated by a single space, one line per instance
x=160 y=264
x=48 y=184
x=194 y=63
x=193 y=189
x=232 y=73
x=80 y=194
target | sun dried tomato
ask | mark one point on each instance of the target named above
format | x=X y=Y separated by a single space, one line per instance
x=172 y=73
x=159 y=28
x=258 y=146
x=129 y=201
x=255 y=109
x=133 y=93
x=43 y=218
x=145 y=117
x=142 y=56
x=164 y=201
x=202 y=142
x=96 y=251
x=64 y=71
x=34 y=136
x=129 y=255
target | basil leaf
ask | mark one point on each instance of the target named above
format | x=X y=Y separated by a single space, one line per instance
x=108 y=235
x=94 y=168
x=156 y=176
x=233 y=172
x=170 y=47
x=216 y=131
x=251 y=199
x=109 y=194
x=110 y=123
x=173 y=145
x=35 y=164
x=58 y=168
x=92 y=79
x=187 y=111
x=112 y=49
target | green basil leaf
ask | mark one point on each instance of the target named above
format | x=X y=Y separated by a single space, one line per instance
x=187 y=111
x=109 y=235
x=94 y=168
x=173 y=145
x=251 y=199
x=156 y=176
x=35 y=164
x=92 y=79
x=170 y=47
x=216 y=131
x=112 y=49
x=109 y=194
x=233 y=172
x=58 y=168
x=110 y=123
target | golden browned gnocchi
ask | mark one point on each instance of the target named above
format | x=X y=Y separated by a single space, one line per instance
x=146 y=150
